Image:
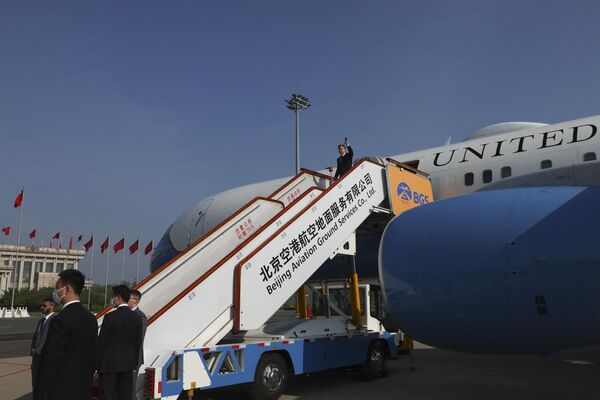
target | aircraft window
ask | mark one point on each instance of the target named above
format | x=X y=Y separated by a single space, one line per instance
x=589 y=156
x=469 y=179
x=546 y=164
x=505 y=172
x=487 y=176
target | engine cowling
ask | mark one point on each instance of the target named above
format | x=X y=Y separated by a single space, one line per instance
x=515 y=270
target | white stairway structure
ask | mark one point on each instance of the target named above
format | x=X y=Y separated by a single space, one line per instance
x=224 y=282
x=175 y=276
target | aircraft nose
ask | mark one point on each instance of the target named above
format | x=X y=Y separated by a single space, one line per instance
x=163 y=252
x=188 y=228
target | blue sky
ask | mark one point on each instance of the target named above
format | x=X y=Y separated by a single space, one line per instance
x=118 y=116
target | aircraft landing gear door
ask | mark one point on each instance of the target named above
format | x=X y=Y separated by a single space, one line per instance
x=520 y=280
x=526 y=263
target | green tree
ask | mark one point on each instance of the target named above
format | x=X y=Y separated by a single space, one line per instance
x=30 y=298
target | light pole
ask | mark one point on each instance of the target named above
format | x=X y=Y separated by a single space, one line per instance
x=296 y=103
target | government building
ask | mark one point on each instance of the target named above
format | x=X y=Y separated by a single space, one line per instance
x=37 y=267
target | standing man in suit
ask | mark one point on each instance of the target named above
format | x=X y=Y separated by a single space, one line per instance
x=120 y=341
x=68 y=359
x=39 y=338
x=344 y=161
x=133 y=303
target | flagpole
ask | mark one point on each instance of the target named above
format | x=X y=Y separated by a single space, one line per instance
x=137 y=268
x=106 y=285
x=12 y=300
x=123 y=269
x=91 y=275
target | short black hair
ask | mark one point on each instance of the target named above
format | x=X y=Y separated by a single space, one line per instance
x=136 y=293
x=49 y=300
x=73 y=278
x=122 y=291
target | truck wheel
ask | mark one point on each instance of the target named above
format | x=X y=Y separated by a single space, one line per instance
x=270 y=378
x=375 y=364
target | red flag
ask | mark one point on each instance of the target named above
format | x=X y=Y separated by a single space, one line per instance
x=80 y=238
x=89 y=244
x=134 y=247
x=71 y=243
x=104 y=245
x=50 y=243
x=119 y=245
x=6 y=230
x=56 y=235
x=148 y=248
x=19 y=199
x=32 y=234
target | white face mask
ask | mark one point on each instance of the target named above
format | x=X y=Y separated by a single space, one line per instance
x=56 y=297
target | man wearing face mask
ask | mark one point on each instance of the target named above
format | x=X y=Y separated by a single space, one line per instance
x=68 y=360
x=120 y=341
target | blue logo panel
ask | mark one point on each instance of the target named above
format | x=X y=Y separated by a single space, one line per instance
x=404 y=191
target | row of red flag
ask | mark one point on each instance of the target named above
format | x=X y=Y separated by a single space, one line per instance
x=120 y=245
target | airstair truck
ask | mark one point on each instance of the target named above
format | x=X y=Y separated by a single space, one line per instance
x=265 y=358
x=209 y=306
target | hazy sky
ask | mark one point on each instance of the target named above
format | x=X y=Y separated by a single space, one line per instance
x=118 y=116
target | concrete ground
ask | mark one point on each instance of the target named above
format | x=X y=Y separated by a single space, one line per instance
x=449 y=375
x=439 y=374
x=15 y=371
x=15 y=378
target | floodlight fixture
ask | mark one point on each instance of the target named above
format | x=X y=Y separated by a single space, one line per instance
x=296 y=103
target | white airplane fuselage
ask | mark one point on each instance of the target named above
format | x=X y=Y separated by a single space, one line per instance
x=527 y=154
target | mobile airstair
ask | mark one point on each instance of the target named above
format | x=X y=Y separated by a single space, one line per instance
x=239 y=274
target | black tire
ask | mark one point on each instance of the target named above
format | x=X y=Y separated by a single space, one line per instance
x=375 y=366
x=270 y=379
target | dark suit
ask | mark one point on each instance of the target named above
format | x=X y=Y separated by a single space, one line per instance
x=120 y=340
x=68 y=358
x=37 y=344
x=344 y=163
x=144 y=325
x=141 y=357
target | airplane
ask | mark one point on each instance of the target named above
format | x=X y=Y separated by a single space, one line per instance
x=487 y=266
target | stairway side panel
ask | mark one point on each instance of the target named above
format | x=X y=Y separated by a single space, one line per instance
x=267 y=279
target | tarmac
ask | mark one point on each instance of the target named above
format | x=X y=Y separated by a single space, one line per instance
x=439 y=374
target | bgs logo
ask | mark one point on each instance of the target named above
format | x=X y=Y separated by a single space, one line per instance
x=406 y=194
x=404 y=191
